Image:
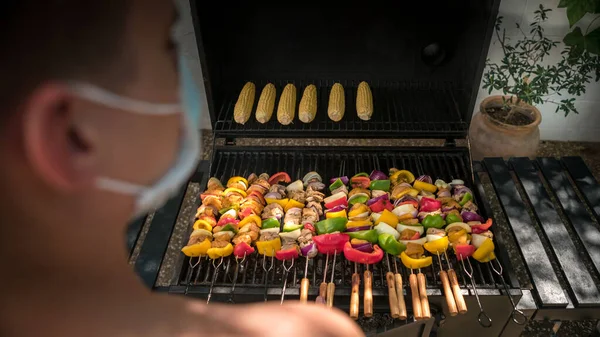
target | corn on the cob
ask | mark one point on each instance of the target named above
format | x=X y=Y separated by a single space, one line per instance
x=364 y=101
x=308 y=104
x=337 y=103
x=243 y=106
x=286 y=110
x=266 y=103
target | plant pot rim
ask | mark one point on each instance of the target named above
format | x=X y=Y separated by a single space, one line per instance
x=536 y=115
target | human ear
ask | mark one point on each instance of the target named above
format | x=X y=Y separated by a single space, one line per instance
x=58 y=146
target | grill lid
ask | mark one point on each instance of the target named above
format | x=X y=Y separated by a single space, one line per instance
x=423 y=63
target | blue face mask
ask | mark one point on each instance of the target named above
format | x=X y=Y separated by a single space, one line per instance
x=149 y=198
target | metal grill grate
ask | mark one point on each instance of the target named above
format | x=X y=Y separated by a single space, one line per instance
x=401 y=109
x=441 y=163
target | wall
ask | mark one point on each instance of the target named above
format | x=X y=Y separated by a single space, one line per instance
x=584 y=126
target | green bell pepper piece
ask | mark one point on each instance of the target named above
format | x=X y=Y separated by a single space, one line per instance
x=331 y=225
x=224 y=210
x=433 y=221
x=228 y=228
x=452 y=218
x=362 y=174
x=466 y=198
x=367 y=235
x=270 y=223
x=361 y=199
x=291 y=228
x=390 y=245
x=382 y=185
x=336 y=184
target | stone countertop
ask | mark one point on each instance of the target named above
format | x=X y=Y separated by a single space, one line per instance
x=590 y=152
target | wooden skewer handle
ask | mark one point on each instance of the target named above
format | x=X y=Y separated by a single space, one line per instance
x=323 y=290
x=368 y=298
x=304 y=285
x=354 y=300
x=330 y=294
x=423 y=294
x=458 y=297
x=448 y=294
x=392 y=295
x=416 y=300
x=400 y=297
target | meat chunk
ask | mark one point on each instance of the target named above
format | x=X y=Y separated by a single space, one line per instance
x=470 y=207
x=309 y=215
x=251 y=178
x=278 y=188
x=273 y=210
x=219 y=243
x=316 y=207
x=414 y=250
x=242 y=238
x=293 y=216
x=268 y=236
x=407 y=234
x=299 y=196
x=316 y=185
x=305 y=237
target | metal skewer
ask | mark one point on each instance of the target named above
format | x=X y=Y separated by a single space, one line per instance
x=323 y=286
x=458 y=296
x=354 y=300
x=286 y=271
x=399 y=293
x=304 y=284
x=214 y=278
x=235 y=277
x=483 y=318
x=447 y=290
x=191 y=272
x=331 y=285
x=392 y=294
x=267 y=271
x=517 y=315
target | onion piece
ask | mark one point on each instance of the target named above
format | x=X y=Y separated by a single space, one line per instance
x=433 y=237
x=375 y=216
x=230 y=213
x=312 y=175
x=364 y=247
x=297 y=185
x=440 y=183
x=361 y=216
x=270 y=230
x=460 y=190
x=309 y=250
x=420 y=241
x=425 y=179
x=374 y=200
x=470 y=216
x=273 y=195
x=377 y=175
x=291 y=236
x=358 y=229
x=229 y=234
x=478 y=239
x=444 y=194
x=402 y=227
x=198 y=232
x=334 y=197
x=405 y=209
x=344 y=180
x=384 y=228
x=462 y=225
x=456 y=182
x=422 y=215
x=336 y=209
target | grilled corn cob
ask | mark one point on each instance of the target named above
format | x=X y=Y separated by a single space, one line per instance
x=266 y=103
x=337 y=104
x=364 y=101
x=308 y=104
x=286 y=110
x=243 y=106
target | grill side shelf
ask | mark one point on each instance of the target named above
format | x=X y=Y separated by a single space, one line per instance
x=585 y=182
x=548 y=289
x=588 y=232
x=576 y=274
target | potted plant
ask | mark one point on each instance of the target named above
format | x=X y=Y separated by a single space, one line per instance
x=507 y=125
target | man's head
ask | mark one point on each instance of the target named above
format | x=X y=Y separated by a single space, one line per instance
x=55 y=144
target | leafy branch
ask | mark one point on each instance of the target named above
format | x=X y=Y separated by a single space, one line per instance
x=521 y=75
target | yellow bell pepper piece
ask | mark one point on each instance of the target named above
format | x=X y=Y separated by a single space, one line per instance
x=413 y=192
x=215 y=253
x=403 y=176
x=340 y=214
x=236 y=190
x=281 y=202
x=236 y=179
x=488 y=258
x=421 y=185
x=198 y=249
x=358 y=210
x=268 y=248
x=389 y=218
x=411 y=263
x=484 y=250
x=250 y=219
x=358 y=223
x=202 y=224
x=438 y=246
x=458 y=237
x=291 y=204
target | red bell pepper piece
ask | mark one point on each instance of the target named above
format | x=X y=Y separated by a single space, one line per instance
x=227 y=219
x=357 y=256
x=331 y=243
x=381 y=205
x=280 y=177
x=242 y=249
x=360 y=181
x=246 y=212
x=478 y=229
x=337 y=202
x=309 y=226
x=463 y=251
x=287 y=254
x=260 y=197
x=410 y=202
x=430 y=205
x=415 y=236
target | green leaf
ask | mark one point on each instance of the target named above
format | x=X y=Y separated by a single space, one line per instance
x=576 y=9
x=592 y=41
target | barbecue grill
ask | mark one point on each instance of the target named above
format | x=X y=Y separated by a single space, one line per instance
x=424 y=72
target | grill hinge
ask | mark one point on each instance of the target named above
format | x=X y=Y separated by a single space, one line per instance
x=450 y=142
x=229 y=141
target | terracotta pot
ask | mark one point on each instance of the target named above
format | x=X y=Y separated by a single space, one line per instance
x=492 y=138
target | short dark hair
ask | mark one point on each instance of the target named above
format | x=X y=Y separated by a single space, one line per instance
x=58 y=40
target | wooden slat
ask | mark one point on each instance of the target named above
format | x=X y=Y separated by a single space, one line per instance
x=577 y=275
x=573 y=206
x=585 y=181
x=545 y=281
